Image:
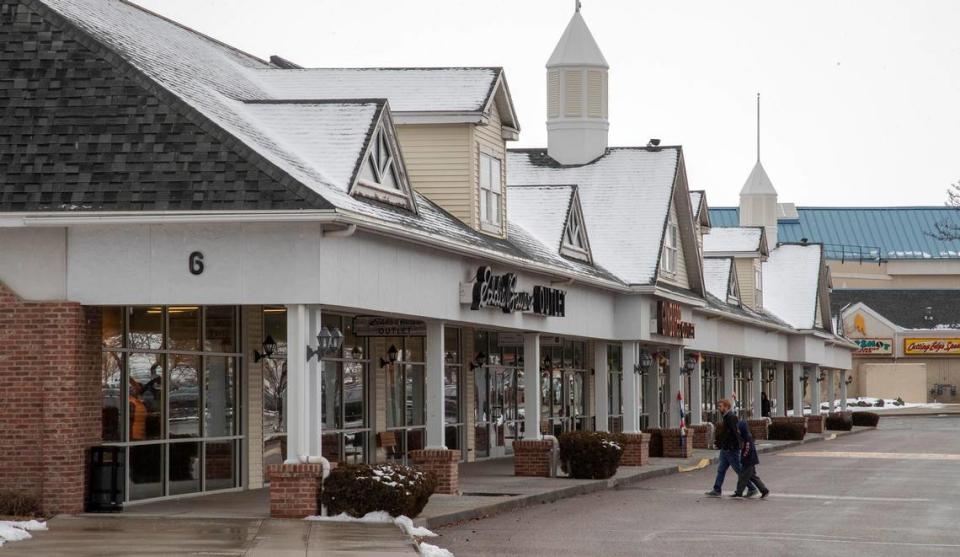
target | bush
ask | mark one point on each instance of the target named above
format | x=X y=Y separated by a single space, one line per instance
x=880 y=403
x=786 y=431
x=19 y=504
x=899 y=401
x=869 y=419
x=839 y=422
x=359 y=489
x=588 y=455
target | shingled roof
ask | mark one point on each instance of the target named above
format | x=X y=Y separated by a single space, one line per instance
x=910 y=309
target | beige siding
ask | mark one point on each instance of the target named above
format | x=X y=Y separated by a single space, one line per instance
x=746 y=278
x=438 y=159
x=252 y=337
x=488 y=139
x=553 y=94
x=679 y=278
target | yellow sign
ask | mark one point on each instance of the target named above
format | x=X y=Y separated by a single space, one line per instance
x=931 y=346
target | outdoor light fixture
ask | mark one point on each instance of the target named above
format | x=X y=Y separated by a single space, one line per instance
x=822 y=377
x=804 y=378
x=644 y=363
x=547 y=362
x=690 y=364
x=849 y=380
x=328 y=342
x=269 y=347
x=391 y=356
x=478 y=361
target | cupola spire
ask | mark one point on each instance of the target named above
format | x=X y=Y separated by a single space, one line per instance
x=758 y=197
x=577 y=124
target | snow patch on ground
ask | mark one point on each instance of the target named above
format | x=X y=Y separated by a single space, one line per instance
x=379 y=517
x=14 y=531
x=427 y=550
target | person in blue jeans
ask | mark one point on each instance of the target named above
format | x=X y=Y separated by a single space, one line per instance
x=748 y=464
x=731 y=444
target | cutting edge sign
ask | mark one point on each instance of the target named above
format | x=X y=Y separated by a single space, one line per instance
x=931 y=346
x=874 y=346
x=501 y=291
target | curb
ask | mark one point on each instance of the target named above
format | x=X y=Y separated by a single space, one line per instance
x=519 y=502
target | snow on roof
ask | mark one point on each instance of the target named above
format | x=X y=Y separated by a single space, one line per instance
x=409 y=89
x=732 y=240
x=541 y=210
x=716 y=275
x=327 y=136
x=791 y=280
x=758 y=182
x=625 y=195
x=577 y=47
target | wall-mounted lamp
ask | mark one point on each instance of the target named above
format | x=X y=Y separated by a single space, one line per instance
x=805 y=378
x=269 y=346
x=690 y=364
x=821 y=377
x=478 y=361
x=328 y=342
x=391 y=356
x=849 y=380
x=547 y=362
x=644 y=362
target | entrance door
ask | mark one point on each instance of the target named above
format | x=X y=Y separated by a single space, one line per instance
x=497 y=415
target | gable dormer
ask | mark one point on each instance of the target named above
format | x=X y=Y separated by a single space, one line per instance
x=381 y=172
x=575 y=243
x=680 y=263
x=747 y=246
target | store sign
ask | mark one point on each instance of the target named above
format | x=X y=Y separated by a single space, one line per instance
x=670 y=322
x=874 y=346
x=931 y=346
x=500 y=291
x=371 y=326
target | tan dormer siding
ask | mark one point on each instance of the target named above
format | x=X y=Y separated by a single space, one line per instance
x=488 y=139
x=680 y=277
x=440 y=166
x=747 y=268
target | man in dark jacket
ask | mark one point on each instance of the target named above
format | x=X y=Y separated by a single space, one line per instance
x=748 y=463
x=764 y=405
x=730 y=446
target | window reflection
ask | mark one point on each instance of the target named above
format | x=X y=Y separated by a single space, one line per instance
x=219 y=403
x=184 y=468
x=184 y=396
x=145 y=396
x=220 y=330
x=184 y=328
x=146 y=328
x=111 y=385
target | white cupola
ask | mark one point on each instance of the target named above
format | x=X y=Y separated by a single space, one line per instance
x=577 y=124
x=758 y=203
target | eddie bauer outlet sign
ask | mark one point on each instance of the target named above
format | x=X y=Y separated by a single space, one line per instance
x=669 y=321
x=500 y=291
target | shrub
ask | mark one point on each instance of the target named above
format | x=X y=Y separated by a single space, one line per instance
x=359 y=489
x=839 y=422
x=19 y=504
x=899 y=401
x=869 y=419
x=588 y=455
x=880 y=403
x=786 y=431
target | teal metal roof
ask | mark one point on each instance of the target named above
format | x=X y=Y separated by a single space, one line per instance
x=869 y=233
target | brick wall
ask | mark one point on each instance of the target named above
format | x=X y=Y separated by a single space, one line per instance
x=532 y=458
x=636 y=449
x=702 y=436
x=676 y=443
x=815 y=424
x=49 y=398
x=759 y=428
x=443 y=464
x=295 y=489
x=656 y=442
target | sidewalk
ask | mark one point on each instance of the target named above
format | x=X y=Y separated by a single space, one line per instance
x=489 y=487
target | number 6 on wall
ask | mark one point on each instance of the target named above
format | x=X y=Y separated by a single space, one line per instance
x=195 y=263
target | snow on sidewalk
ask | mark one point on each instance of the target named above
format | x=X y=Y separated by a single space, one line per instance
x=14 y=531
x=403 y=522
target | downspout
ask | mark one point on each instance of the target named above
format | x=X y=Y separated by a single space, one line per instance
x=342 y=233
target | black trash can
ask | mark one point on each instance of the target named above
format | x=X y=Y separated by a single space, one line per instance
x=105 y=493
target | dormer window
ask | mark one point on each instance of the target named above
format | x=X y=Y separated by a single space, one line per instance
x=382 y=175
x=575 y=243
x=491 y=192
x=671 y=243
x=758 y=279
x=379 y=170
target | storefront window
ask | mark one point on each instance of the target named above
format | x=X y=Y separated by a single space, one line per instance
x=499 y=389
x=711 y=387
x=615 y=387
x=563 y=383
x=274 y=371
x=344 y=395
x=155 y=354
x=452 y=371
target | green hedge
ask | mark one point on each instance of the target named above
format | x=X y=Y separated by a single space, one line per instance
x=590 y=455
x=786 y=431
x=839 y=422
x=361 y=488
x=869 y=419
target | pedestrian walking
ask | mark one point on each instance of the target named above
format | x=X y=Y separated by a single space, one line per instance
x=764 y=405
x=748 y=466
x=730 y=445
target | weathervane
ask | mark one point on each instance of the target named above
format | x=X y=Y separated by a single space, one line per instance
x=578 y=5
x=758 y=124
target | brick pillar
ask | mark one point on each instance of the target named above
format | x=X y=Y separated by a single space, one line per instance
x=815 y=424
x=759 y=428
x=49 y=398
x=791 y=420
x=295 y=489
x=676 y=443
x=656 y=442
x=702 y=436
x=532 y=458
x=444 y=464
x=636 y=449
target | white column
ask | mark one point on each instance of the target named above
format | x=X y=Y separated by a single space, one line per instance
x=832 y=389
x=601 y=378
x=631 y=388
x=780 y=386
x=814 y=390
x=435 y=400
x=797 y=390
x=673 y=387
x=297 y=408
x=728 y=378
x=696 y=393
x=756 y=388
x=843 y=390
x=314 y=384
x=651 y=394
x=531 y=386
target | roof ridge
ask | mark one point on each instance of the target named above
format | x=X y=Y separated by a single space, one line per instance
x=316 y=101
x=386 y=68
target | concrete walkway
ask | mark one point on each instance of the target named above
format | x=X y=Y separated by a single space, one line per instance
x=93 y=536
x=489 y=487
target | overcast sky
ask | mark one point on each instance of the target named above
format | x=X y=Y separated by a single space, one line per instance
x=860 y=98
